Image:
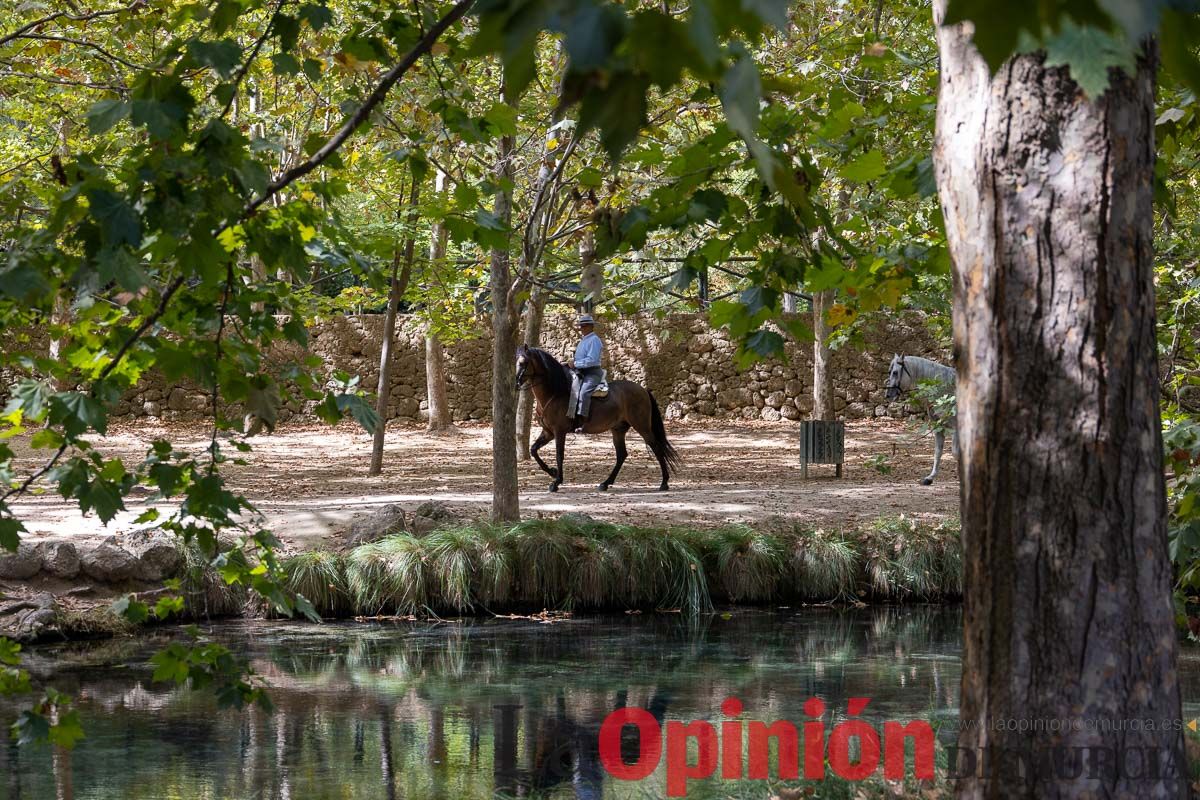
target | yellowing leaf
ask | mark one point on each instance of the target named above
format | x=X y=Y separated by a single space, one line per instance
x=840 y=314
x=307 y=233
x=232 y=238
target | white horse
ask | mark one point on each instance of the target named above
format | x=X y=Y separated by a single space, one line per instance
x=904 y=374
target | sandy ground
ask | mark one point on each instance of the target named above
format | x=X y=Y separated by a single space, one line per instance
x=309 y=481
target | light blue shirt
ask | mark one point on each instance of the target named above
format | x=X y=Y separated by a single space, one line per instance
x=587 y=354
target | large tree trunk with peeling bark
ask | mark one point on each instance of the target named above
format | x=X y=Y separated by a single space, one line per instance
x=1047 y=201
x=822 y=377
x=505 y=501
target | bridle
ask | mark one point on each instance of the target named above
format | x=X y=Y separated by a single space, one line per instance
x=899 y=385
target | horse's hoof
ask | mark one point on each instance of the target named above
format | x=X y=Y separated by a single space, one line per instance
x=926 y=481
x=663 y=488
x=603 y=487
x=554 y=487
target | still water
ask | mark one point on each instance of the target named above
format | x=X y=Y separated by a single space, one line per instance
x=472 y=709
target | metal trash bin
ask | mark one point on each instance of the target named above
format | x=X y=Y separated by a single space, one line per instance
x=822 y=442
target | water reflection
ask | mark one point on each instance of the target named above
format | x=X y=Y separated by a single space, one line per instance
x=468 y=710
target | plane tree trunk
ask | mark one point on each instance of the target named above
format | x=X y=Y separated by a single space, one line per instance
x=505 y=500
x=396 y=290
x=435 y=357
x=1047 y=200
x=822 y=377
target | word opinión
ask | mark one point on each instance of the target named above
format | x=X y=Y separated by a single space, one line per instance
x=724 y=750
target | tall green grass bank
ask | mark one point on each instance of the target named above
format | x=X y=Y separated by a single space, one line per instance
x=580 y=564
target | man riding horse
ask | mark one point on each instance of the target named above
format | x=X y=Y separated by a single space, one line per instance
x=587 y=365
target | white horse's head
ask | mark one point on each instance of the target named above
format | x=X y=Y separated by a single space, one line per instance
x=899 y=379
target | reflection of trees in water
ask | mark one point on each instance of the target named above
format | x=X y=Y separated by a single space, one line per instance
x=420 y=712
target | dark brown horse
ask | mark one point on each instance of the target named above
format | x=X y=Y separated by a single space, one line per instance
x=628 y=405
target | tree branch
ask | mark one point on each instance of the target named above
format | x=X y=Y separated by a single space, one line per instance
x=37 y=23
x=364 y=111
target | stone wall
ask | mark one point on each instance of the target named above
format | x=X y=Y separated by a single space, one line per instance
x=680 y=358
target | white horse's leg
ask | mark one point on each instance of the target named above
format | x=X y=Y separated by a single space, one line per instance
x=939 y=442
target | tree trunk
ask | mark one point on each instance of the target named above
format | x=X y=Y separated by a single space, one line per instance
x=535 y=312
x=591 y=276
x=505 y=502
x=435 y=362
x=399 y=285
x=822 y=377
x=435 y=383
x=1047 y=201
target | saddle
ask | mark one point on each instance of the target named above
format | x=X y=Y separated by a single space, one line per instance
x=600 y=391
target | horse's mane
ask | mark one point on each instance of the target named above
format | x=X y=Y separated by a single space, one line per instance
x=555 y=377
x=923 y=369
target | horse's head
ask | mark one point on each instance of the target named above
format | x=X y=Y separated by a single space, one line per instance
x=523 y=361
x=899 y=379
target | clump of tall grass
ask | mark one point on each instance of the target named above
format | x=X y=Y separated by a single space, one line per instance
x=320 y=576
x=825 y=565
x=388 y=576
x=661 y=569
x=904 y=558
x=747 y=565
x=205 y=593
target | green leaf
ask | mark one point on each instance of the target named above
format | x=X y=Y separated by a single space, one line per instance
x=223 y=56
x=77 y=412
x=31 y=727
x=317 y=15
x=131 y=609
x=360 y=409
x=867 y=167
x=10 y=652
x=67 y=730
x=284 y=64
x=10 y=533
x=618 y=112
x=765 y=344
x=772 y=12
x=503 y=118
x=997 y=25
x=741 y=94
x=168 y=606
x=118 y=220
x=105 y=114
x=1089 y=52
x=118 y=265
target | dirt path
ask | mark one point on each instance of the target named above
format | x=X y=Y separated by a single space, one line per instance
x=309 y=481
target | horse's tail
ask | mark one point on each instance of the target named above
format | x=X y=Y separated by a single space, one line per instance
x=661 y=447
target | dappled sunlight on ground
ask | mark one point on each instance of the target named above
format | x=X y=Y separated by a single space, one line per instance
x=309 y=481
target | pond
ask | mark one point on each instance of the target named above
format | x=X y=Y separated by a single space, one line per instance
x=471 y=709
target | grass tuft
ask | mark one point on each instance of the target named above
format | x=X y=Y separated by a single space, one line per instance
x=388 y=576
x=205 y=593
x=320 y=576
x=825 y=566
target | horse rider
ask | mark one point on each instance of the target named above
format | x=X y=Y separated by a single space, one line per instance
x=587 y=365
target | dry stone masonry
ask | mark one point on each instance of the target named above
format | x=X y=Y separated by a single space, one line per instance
x=681 y=358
